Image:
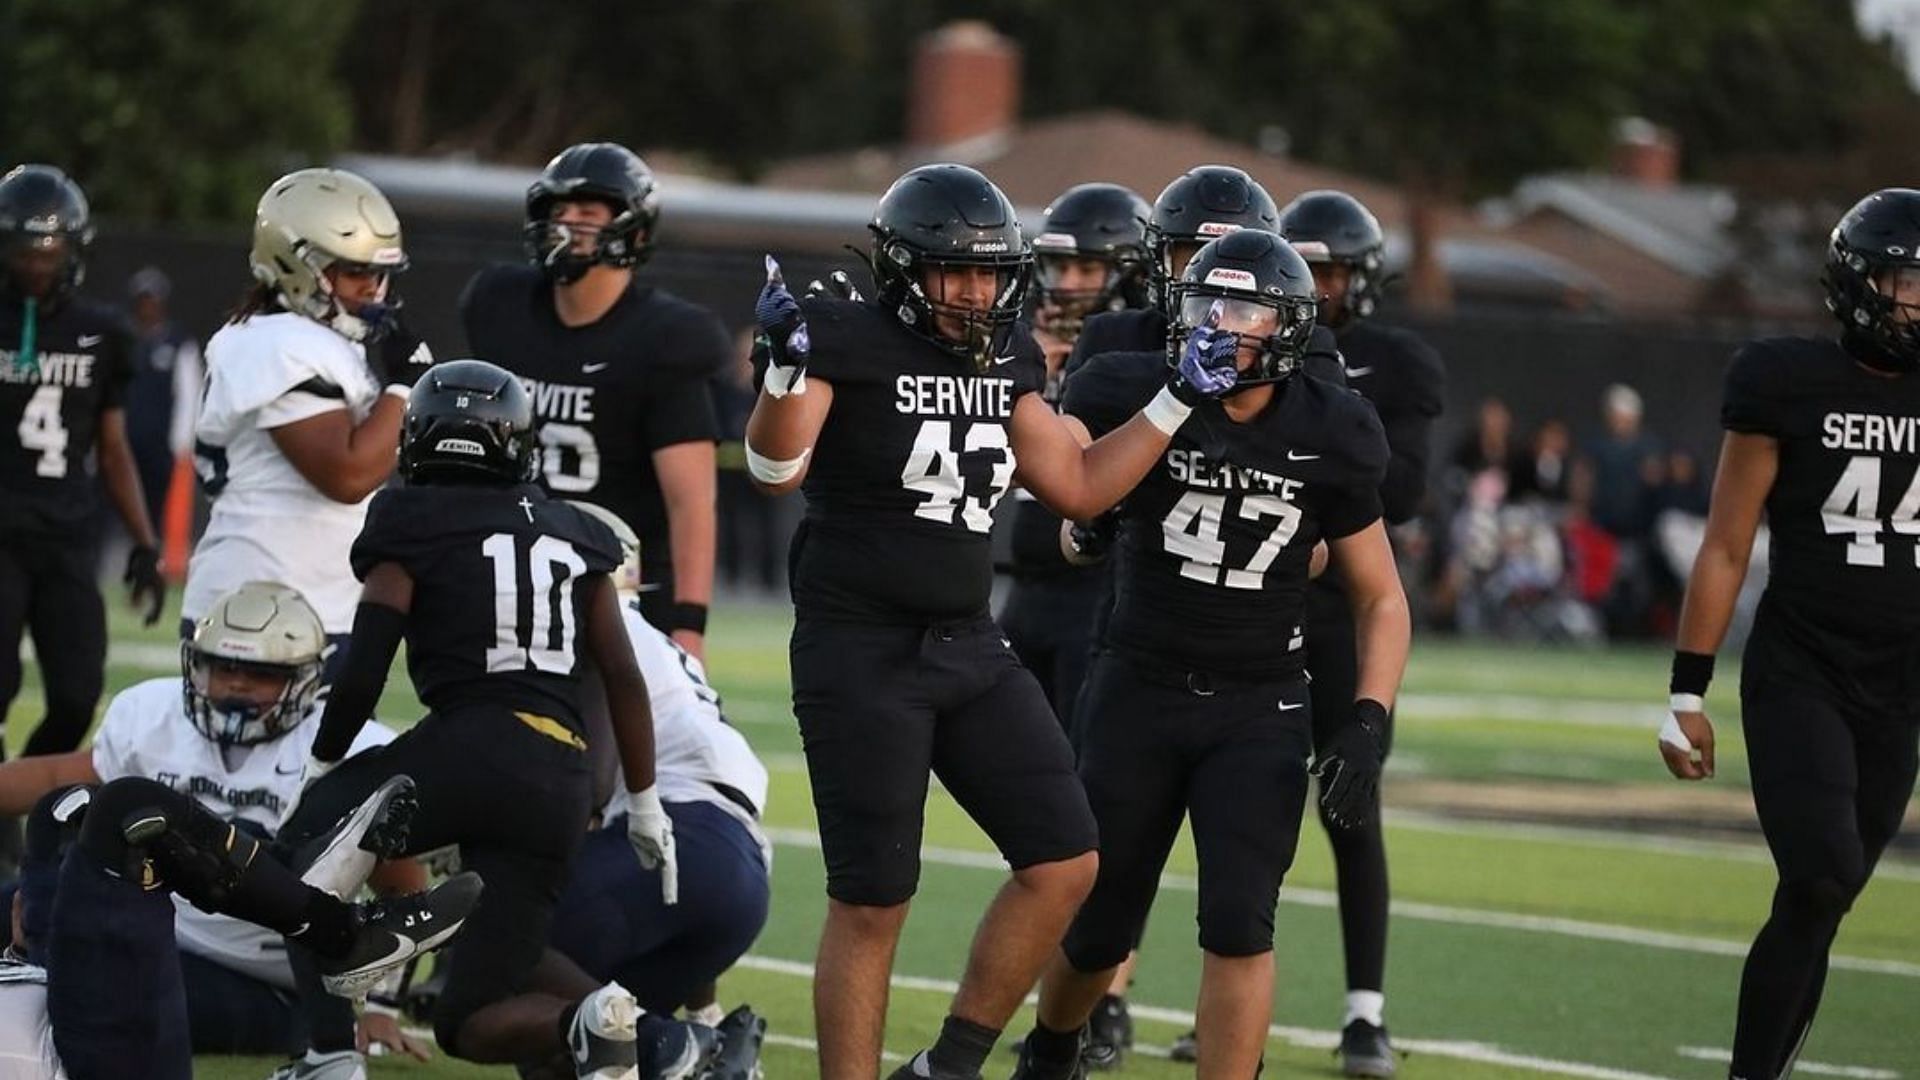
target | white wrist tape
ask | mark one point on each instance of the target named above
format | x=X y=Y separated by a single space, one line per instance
x=781 y=381
x=1671 y=735
x=769 y=471
x=399 y=390
x=1686 y=703
x=1166 y=412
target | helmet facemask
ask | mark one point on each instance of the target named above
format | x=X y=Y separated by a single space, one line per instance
x=916 y=288
x=1864 y=292
x=1362 y=294
x=1279 y=328
x=556 y=246
x=231 y=719
x=1063 y=311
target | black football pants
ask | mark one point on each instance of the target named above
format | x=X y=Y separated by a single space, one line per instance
x=51 y=590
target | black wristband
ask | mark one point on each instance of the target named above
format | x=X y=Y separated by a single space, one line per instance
x=689 y=617
x=1692 y=672
x=1371 y=713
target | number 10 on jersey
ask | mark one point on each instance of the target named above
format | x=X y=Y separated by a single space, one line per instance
x=547 y=645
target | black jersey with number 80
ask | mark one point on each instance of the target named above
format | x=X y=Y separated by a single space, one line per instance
x=914 y=455
x=497 y=611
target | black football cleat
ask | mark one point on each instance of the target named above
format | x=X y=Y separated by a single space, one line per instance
x=1365 y=1051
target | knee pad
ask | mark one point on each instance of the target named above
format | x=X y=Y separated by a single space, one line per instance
x=134 y=824
x=1818 y=902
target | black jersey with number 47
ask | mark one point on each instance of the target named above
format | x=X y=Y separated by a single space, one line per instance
x=911 y=461
x=1844 y=511
x=1218 y=537
x=497 y=609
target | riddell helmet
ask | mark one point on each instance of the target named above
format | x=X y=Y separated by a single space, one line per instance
x=1334 y=227
x=265 y=628
x=1879 y=236
x=1209 y=201
x=1091 y=221
x=318 y=218
x=42 y=209
x=1247 y=270
x=626 y=577
x=602 y=172
x=468 y=422
x=949 y=215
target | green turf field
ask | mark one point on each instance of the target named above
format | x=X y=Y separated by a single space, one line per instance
x=1519 y=949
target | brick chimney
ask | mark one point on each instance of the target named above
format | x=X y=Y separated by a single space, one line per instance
x=966 y=86
x=1646 y=153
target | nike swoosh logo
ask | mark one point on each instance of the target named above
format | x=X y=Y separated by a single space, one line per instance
x=1284 y=707
x=88 y=341
x=588 y=369
x=1293 y=456
x=1002 y=360
x=1356 y=372
x=295 y=771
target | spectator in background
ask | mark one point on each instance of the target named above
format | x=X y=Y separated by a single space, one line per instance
x=1489 y=444
x=163 y=396
x=1626 y=470
x=1545 y=471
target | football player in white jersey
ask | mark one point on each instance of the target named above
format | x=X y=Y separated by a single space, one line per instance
x=233 y=731
x=306 y=385
x=611 y=920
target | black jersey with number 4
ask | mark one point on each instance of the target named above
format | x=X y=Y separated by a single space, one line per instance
x=50 y=411
x=497 y=610
x=1844 y=511
x=911 y=461
x=605 y=395
x=1218 y=537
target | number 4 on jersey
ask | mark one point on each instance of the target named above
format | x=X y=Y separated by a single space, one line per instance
x=1853 y=507
x=42 y=428
x=933 y=469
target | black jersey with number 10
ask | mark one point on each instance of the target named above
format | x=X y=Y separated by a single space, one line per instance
x=911 y=461
x=497 y=613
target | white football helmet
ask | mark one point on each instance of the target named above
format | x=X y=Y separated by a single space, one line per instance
x=264 y=627
x=316 y=218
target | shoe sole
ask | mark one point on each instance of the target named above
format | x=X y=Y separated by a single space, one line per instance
x=356 y=983
x=1373 y=1068
x=619 y=1014
x=377 y=829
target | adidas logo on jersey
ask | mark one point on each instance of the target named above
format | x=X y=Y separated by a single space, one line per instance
x=460 y=446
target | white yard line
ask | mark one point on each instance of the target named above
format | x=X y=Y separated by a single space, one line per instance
x=1440 y=913
x=1310 y=1038
x=1812 y=1068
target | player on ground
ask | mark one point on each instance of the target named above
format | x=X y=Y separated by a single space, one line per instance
x=1199 y=708
x=905 y=420
x=500 y=593
x=1822 y=438
x=95 y=922
x=1090 y=257
x=618 y=369
x=305 y=386
x=63 y=372
x=1403 y=379
x=232 y=730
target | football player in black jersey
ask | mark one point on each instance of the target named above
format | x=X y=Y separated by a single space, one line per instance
x=1823 y=437
x=501 y=593
x=1198 y=707
x=905 y=420
x=63 y=373
x=618 y=370
x=1402 y=376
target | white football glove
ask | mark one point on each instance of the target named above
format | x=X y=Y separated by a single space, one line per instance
x=650 y=831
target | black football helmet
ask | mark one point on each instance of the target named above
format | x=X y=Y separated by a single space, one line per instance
x=45 y=227
x=1879 y=237
x=603 y=172
x=1334 y=227
x=940 y=216
x=1209 y=201
x=1258 y=278
x=1091 y=221
x=468 y=422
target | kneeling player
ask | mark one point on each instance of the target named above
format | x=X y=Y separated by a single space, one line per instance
x=1827 y=684
x=102 y=935
x=1200 y=707
x=500 y=593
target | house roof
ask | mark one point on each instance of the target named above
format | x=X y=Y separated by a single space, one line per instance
x=1683 y=227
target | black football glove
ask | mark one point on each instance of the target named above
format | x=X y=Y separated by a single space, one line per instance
x=399 y=357
x=1206 y=368
x=1092 y=540
x=783 y=331
x=143 y=580
x=1349 y=767
x=838 y=286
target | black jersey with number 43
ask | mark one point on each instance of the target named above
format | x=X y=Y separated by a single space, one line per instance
x=1218 y=537
x=50 y=413
x=1844 y=512
x=497 y=611
x=911 y=461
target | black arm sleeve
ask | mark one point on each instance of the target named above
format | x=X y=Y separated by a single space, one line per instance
x=377 y=630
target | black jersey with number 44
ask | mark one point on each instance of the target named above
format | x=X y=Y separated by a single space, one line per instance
x=50 y=413
x=1844 y=511
x=1218 y=537
x=497 y=610
x=911 y=461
